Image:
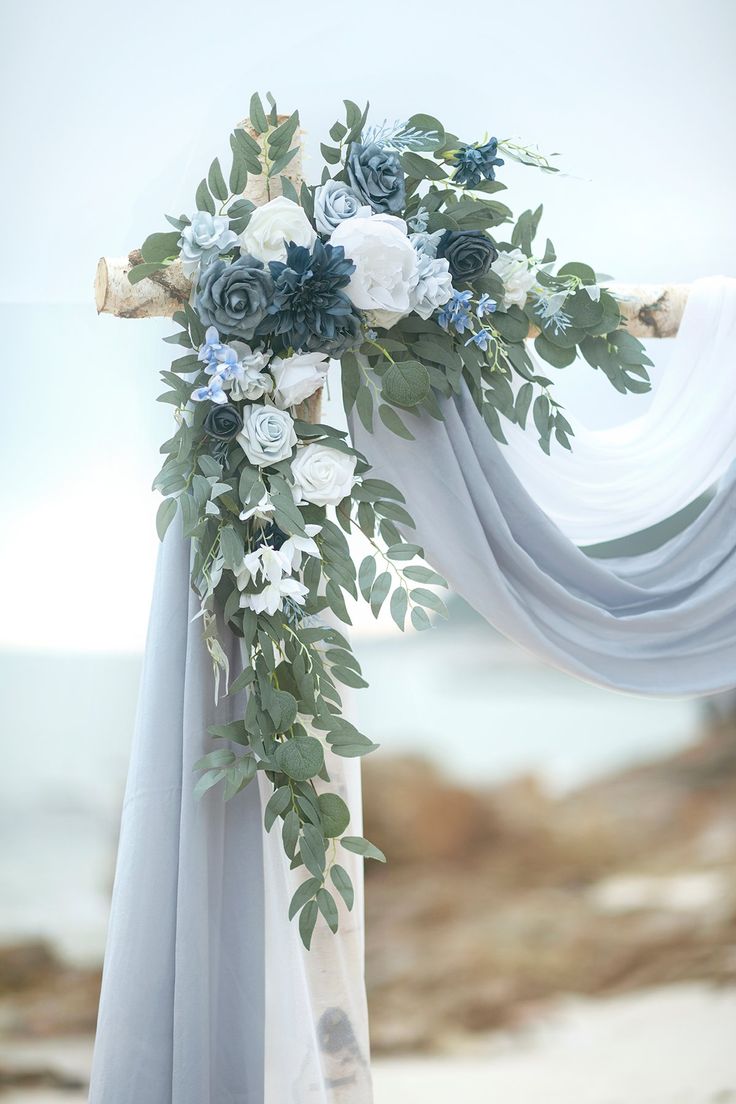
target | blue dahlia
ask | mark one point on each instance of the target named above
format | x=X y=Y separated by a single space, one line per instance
x=308 y=309
x=476 y=163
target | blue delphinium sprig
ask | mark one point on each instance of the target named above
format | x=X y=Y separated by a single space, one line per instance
x=456 y=312
x=482 y=339
x=476 y=163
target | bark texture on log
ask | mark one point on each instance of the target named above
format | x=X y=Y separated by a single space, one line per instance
x=160 y=295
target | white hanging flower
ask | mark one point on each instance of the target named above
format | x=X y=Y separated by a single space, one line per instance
x=518 y=275
x=262 y=511
x=385 y=266
x=267 y=435
x=268 y=563
x=322 y=475
x=295 y=546
x=297 y=377
x=273 y=225
x=271 y=598
x=433 y=287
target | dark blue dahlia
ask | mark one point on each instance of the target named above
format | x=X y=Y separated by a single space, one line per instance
x=308 y=310
x=476 y=163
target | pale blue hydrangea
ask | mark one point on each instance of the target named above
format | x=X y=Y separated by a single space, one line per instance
x=426 y=243
x=202 y=242
x=433 y=287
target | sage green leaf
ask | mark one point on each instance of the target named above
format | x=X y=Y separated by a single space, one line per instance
x=257 y=115
x=364 y=406
x=403 y=551
x=422 y=168
x=380 y=489
x=300 y=757
x=290 y=833
x=419 y=619
x=399 y=603
x=394 y=512
x=307 y=920
x=331 y=154
x=343 y=884
x=231 y=545
x=203 y=199
x=523 y=402
x=312 y=850
x=420 y=574
x=216 y=182
x=553 y=354
x=328 y=908
x=221 y=757
x=583 y=271
x=305 y=892
x=279 y=165
x=433 y=133
x=360 y=846
x=406 y=383
x=164 y=516
x=283 y=710
x=392 y=421
x=207 y=781
x=351 y=380
x=366 y=575
x=335 y=814
x=348 y=677
x=160 y=247
x=429 y=599
x=142 y=271
x=379 y=592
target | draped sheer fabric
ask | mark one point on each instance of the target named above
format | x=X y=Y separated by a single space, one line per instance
x=617 y=481
x=208 y=996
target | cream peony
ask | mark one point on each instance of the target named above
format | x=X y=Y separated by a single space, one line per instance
x=385 y=266
x=267 y=435
x=517 y=274
x=297 y=377
x=272 y=225
x=322 y=475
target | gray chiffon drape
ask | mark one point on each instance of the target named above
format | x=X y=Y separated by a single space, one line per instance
x=662 y=623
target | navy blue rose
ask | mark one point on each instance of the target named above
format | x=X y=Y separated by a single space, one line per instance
x=223 y=422
x=234 y=297
x=469 y=253
x=376 y=175
x=476 y=163
x=309 y=310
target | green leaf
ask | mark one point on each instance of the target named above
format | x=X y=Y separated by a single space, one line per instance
x=553 y=354
x=366 y=575
x=257 y=115
x=305 y=892
x=312 y=850
x=328 y=908
x=160 y=247
x=331 y=154
x=360 y=846
x=207 y=781
x=420 y=574
x=216 y=181
x=343 y=884
x=231 y=544
x=335 y=814
x=523 y=402
x=282 y=135
x=351 y=380
x=422 y=168
x=583 y=271
x=164 y=516
x=406 y=383
x=392 y=421
x=300 y=757
x=399 y=603
x=290 y=833
x=348 y=677
x=142 y=271
x=419 y=619
x=431 y=128
x=380 y=489
x=280 y=164
x=203 y=199
x=429 y=599
x=348 y=742
x=379 y=592
x=283 y=710
x=307 y=920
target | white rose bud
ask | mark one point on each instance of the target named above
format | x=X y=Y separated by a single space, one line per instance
x=385 y=266
x=271 y=226
x=322 y=475
x=267 y=435
x=297 y=377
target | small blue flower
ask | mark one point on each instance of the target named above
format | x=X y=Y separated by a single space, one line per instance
x=213 y=392
x=485 y=305
x=476 y=163
x=456 y=312
x=420 y=221
x=371 y=335
x=482 y=339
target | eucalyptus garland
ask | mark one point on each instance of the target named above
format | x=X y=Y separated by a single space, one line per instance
x=398 y=265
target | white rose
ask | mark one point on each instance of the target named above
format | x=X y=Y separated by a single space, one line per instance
x=267 y=435
x=517 y=274
x=322 y=475
x=385 y=266
x=272 y=225
x=297 y=377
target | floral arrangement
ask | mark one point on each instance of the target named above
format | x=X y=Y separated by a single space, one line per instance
x=395 y=265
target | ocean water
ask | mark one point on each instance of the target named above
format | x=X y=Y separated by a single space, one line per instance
x=482 y=709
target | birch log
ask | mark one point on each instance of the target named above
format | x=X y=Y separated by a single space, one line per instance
x=160 y=295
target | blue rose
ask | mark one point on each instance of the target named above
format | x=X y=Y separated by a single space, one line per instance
x=476 y=163
x=333 y=203
x=377 y=177
x=223 y=422
x=234 y=297
x=470 y=253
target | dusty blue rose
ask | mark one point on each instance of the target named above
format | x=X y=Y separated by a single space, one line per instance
x=234 y=297
x=470 y=253
x=333 y=203
x=377 y=177
x=223 y=422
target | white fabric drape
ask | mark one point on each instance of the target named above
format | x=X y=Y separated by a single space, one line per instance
x=622 y=480
x=208 y=996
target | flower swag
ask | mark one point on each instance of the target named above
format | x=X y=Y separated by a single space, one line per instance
x=398 y=266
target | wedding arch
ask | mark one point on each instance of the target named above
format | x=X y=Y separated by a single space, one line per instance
x=234 y=967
